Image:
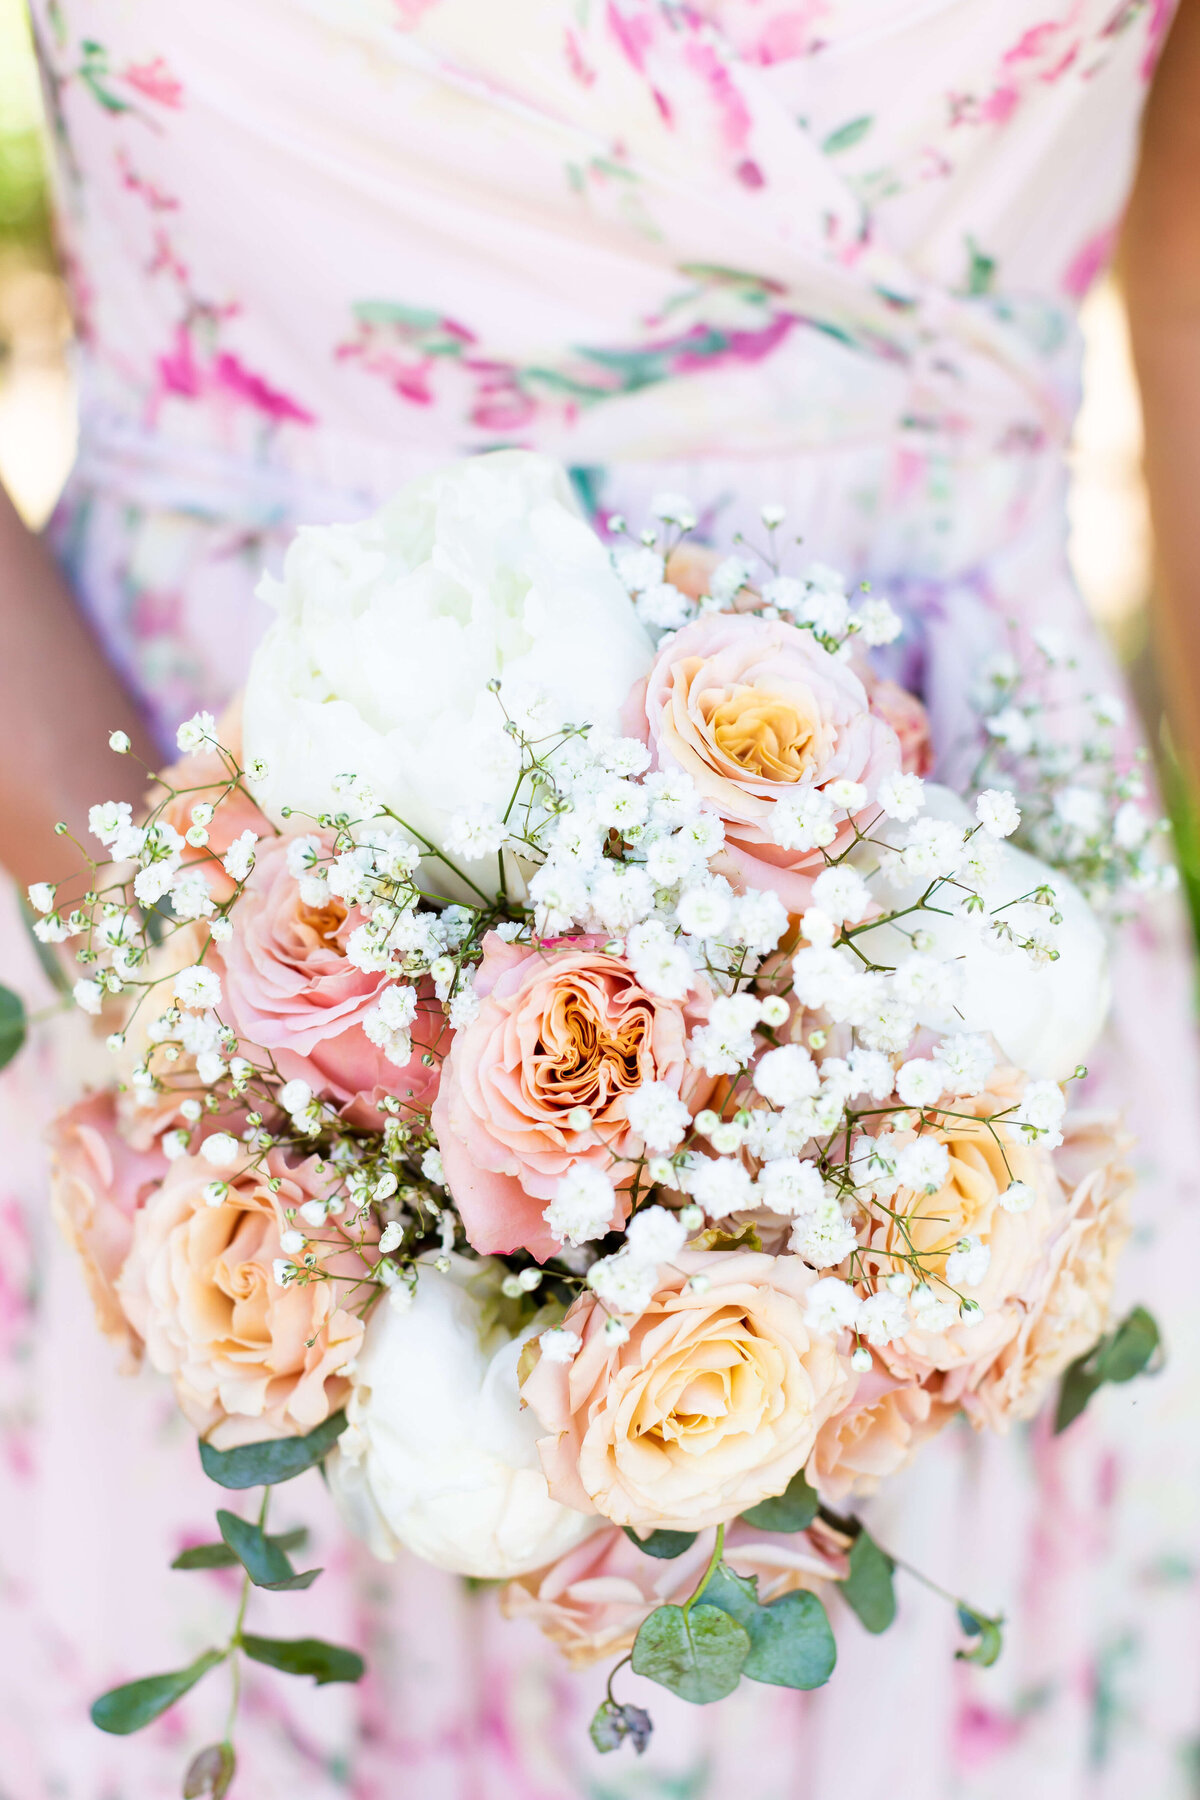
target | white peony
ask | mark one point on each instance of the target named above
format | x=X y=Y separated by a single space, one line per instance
x=439 y=1454
x=1045 y=1016
x=390 y=630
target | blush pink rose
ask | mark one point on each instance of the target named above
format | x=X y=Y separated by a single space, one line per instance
x=205 y=775
x=907 y=718
x=757 y=712
x=878 y=1433
x=290 y=989
x=558 y=1028
x=591 y=1602
x=249 y=1359
x=711 y=1405
x=98 y=1183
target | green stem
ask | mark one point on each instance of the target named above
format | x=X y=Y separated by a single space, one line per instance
x=711 y=1570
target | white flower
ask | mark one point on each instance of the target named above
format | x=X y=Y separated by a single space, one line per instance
x=88 y=996
x=786 y=1074
x=638 y=567
x=190 y=896
x=390 y=630
x=966 y=1060
x=879 y=622
x=477 y=832
x=658 y=1116
x=841 y=893
x=803 y=820
x=200 y=729
x=1017 y=1197
x=198 y=987
x=222 y=1150
x=758 y=921
x=919 y=1082
x=726 y=1043
x=1081 y=809
x=704 y=911
x=432 y=1168
x=727 y=578
x=560 y=1345
x=443 y=1458
x=720 y=1185
x=582 y=1207
x=882 y=1317
x=664 y=607
x=848 y=796
x=1042 y=1107
x=923 y=1165
x=107 y=821
x=830 y=1306
x=818 y=928
x=967 y=1263
x=239 y=858
x=660 y=964
x=997 y=812
x=870 y=1072
x=1013 y=729
x=624 y=1282
x=120 y=741
x=932 y=1312
x=41 y=896
x=655 y=1235
x=823 y=1237
x=790 y=1186
x=901 y=796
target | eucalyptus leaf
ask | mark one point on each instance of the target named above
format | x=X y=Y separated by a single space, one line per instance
x=664 y=1544
x=12 y=1025
x=210 y=1772
x=846 y=136
x=989 y=1633
x=306 y=1656
x=137 y=1703
x=697 y=1655
x=868 y=1589
x=791 y=1642
x=261 y=1557
x=276 y=1459
x=220 y=1556
x=793 y=1510
x=1126 y=1352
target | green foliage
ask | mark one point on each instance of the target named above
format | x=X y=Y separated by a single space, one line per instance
x=1120 y=1356
x=12 y=1025
x=261 y=1557
x=137 y=1703
x=868 y=1589
x=989 y=1633
x=277 y=1459
x=846 y=136
x=698 y=1654
x=662 y=1543
x=791 y=1643
x=793 y=1510
x=220 y=1556
x=612 y=1724
x=306 y=1656
x=210 y=1773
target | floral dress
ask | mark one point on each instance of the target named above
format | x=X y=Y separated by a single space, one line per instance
x=825 y=253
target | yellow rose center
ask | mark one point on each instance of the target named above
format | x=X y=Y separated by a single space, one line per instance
x=323 y=922
x=767 y=734
x=726 y=1383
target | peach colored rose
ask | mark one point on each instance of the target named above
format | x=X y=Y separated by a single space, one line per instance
x=249 y=1358
x=1066 y=1308
x=290 y=989
x=97 y=1185
x=205 y=775
x=713 y=1404
x=558 y=1028
x=983 y=1163
x=879 y=1432
x=756 y=712
x=591 y=1602
x=907 y=718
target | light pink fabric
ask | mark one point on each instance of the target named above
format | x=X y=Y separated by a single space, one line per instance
x=819 y=252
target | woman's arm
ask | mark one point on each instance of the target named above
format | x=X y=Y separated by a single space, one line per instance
x=59 y=699
x=1160 y=259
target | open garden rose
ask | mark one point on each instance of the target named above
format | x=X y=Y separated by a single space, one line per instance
x=440 y=1456
x=881 y=1429
x=98 y=1182
x=559 y=1029
x=712 y=1404
x=1065 y=1308
x=290 y=988
x=249 y=1358
x=592 y=1600
x=758 y=714
x=391 y=631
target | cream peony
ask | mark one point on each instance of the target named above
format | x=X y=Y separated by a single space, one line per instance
x=440 y=1456
x=712 y=1405
x=390 y=630
x=1045 y=1017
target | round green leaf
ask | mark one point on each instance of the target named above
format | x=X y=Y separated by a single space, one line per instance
x=662 y=1543
x=138 y=1703
x=12 y=1025
x=793 y=1510
x=868 y=1588
x=698 y=1655
x=1130 y=1349
x=277 y=1459
x=791 y=1643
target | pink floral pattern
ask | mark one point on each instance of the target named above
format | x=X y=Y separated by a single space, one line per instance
x=825 y=252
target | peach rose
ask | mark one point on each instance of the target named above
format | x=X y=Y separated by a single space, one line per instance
x=98 y=1183
x=204 y=775
x=591 y=1602
x=1066 y=1308
x=982 y=1164
x=249 y=1359
x=558 y=1028
x=879 y=1432
x=907 y=718
x=712 y=1404
x=290 y=989
x=757 y=712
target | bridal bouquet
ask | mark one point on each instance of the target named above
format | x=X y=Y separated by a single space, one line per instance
x=580 y=1079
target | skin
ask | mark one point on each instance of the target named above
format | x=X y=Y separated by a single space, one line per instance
x=1160 y=259
x=61 y=699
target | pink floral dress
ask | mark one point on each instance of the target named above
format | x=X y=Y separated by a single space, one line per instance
x=820 y=252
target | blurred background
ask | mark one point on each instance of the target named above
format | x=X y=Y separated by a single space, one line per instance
x=1111 y=545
